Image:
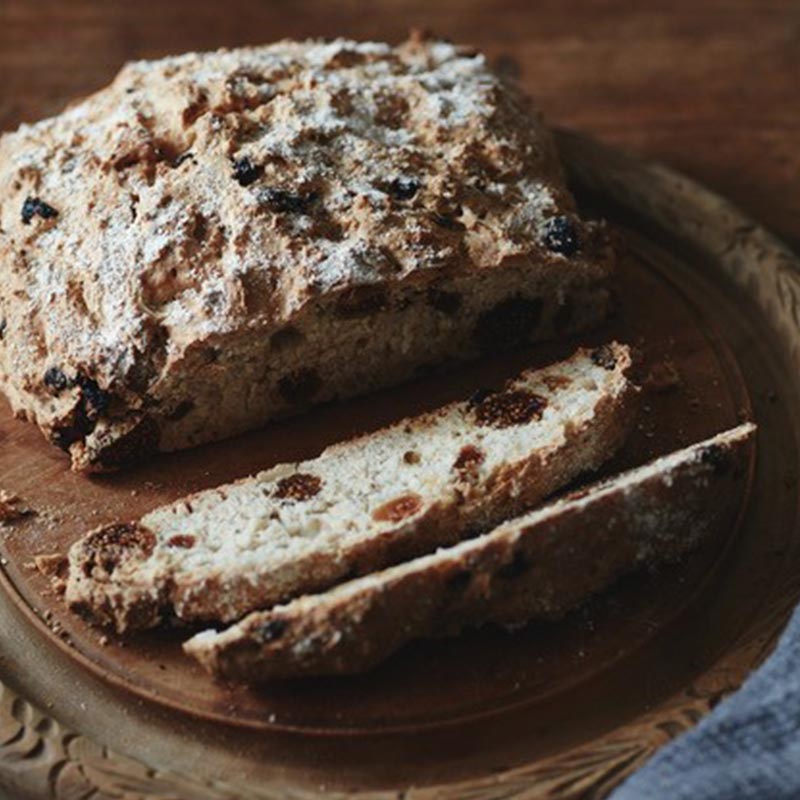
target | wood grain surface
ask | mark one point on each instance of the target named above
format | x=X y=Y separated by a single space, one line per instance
x=708 y=86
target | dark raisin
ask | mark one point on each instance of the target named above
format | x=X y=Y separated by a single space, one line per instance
x=478 y=396
x=281 y=201
x=3 y=326
x=447 y=302
x=513 y=407
x=83 y=609
x=510 y=323
x=245 y=172
x=33 y=206
x=95 y=401
x=718 y=458
x=213 y=300
x=448 y=222
x=469 y=459
x=109 y=563
x=404 y=188
x=300 y=486
x=145 y=613
x=518 y=565
x=300 y=386
x=604 y=357
x=66 y=435
x=125 y=536
x=560 y=236
x=182 y=158
x=56 y=380
x=184 y=540
x=272 y=630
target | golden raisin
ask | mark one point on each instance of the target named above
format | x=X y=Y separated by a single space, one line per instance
x=398 y=509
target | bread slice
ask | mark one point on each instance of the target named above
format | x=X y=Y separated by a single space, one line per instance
x=535 y=567
x=219 y=239
x=361 y=505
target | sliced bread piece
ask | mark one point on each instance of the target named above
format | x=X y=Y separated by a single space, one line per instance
x=535 y=567
x=360 y=506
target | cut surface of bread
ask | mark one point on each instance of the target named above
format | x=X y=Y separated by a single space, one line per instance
x=380 y=499
x=219 y=239
x=537 y=566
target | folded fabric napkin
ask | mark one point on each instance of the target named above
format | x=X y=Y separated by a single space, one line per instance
x=749 y=747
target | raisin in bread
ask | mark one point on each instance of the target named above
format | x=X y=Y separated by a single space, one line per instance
x=535 y=567
x=361 y=505
x=219 y=239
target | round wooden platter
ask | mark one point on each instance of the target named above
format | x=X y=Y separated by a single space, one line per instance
x=559 y=711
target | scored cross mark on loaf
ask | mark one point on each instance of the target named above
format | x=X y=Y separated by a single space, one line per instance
x=537 y=566
x=377 y=500
x=220 y=239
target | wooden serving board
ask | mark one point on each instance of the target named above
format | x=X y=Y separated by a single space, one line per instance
x=559 y=711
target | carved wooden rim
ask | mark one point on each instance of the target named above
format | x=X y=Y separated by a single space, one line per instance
x=41 y=758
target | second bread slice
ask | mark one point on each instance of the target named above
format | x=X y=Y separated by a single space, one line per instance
x=535 y=567
x=362 y=505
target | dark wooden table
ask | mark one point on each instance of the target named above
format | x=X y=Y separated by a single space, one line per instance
x=711 y=87
x=707 y=86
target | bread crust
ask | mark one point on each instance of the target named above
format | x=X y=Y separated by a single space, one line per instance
x=362 y=504
x=536 y=567
x=178 y=251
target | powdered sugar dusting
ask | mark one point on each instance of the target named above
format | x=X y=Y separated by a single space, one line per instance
x=157 y=245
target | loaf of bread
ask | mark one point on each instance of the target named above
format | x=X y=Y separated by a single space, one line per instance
x=219 y=239
x=362 y=505
x=537 y=566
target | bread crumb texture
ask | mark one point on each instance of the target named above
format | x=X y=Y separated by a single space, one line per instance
x=361 y=504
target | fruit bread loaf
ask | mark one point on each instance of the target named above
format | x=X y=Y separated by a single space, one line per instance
x=362 y=505
x=219 y=239
x=535 y=567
